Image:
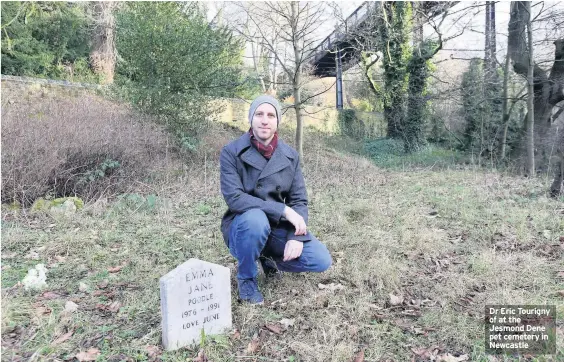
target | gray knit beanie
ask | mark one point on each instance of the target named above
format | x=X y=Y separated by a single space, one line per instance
x=265 y=99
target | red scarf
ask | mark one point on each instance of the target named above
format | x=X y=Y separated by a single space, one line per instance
x=266 y=151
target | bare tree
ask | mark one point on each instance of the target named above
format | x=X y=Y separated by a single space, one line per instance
x=264 y=62
x=530 y=128
x=548 y=87
x=292 y=47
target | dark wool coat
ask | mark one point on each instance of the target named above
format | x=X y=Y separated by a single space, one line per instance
x=250 y=181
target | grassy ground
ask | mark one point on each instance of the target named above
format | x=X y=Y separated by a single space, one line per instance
x=417 y=255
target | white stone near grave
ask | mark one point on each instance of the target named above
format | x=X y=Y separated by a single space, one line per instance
x=195 y=296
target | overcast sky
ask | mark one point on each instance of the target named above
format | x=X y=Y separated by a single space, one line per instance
x=468 y=18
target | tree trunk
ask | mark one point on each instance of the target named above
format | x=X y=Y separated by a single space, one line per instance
x=530 y=100
x=548 y=87
x=299 y=123
x=557 y=187
x=256 y=53
x=487 y=37
x=273 y=86
x=505 y=120
x=394 y=42
x=413 y=129
x=103 y=54
x=296 y=84
x=491 y=92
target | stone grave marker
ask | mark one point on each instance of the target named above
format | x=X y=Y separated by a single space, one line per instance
x=194 y=296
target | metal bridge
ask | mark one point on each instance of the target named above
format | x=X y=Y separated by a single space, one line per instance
x=338 y=53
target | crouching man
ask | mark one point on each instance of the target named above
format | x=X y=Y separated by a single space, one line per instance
x=263 y=186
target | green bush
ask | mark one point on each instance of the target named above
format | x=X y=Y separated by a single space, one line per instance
x=46 y=40
x=172 y=64
x=350 y=125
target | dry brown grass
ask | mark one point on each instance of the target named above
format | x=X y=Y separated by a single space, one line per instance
x=52 y=141
x=447 y=242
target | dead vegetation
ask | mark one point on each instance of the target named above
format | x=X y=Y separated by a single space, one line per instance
x=416 y=255
x=82 y=145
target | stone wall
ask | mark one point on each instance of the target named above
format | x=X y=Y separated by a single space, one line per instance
x=232 y=111
x=235 y=112
x=26 y=86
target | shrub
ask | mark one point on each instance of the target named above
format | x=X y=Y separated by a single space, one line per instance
x=46 y=40
x=173 y=63
x=85 y=146
x=350 y=124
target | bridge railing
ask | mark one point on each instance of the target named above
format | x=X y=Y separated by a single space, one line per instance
x=357 y=17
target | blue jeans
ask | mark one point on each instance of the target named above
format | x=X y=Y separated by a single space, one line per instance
x=251 y=236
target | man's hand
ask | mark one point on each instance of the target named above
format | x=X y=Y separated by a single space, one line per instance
x=293 y=249
x=296 y=219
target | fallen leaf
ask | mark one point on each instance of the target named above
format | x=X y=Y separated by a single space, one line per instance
x=114 y=307
x=332 y=287
x=287 y=322
x=279 y=301
x=426 y=353
x=450 y=358
x=108 y=294
x=418 y=331
x=32 y=255
x=359 y=357
x=101 y=306
x=153 y=351
x=411 y=313
x=89 y=355
x=201 y=357
x=403 y=324
x=253 y=346
x=83 y=287
x=70 y=307
x=51 y=295
x=380 y=317
x=117 y=268
x=63 y=338
x=395 y=300
x=416 y=303
x=273 y=328
x=60 y=259
x=547 y=234
x=237 y=334
x=40 y=309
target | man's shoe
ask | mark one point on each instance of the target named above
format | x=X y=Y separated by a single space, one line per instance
x=249 y=292
x=269 y=268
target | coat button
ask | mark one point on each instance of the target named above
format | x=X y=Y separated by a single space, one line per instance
x=259 y=186
x=277 y=187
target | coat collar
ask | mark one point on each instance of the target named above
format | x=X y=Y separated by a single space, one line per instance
x=278 y=161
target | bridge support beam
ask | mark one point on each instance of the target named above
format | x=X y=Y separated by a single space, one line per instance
x=339 y=76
